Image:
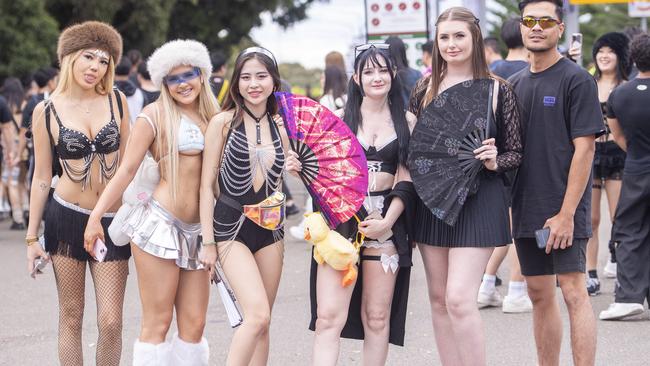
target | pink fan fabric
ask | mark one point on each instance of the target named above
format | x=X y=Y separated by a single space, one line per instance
x=334 y=165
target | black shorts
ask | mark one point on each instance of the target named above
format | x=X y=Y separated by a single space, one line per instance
x=535 y=261
x=250 y=234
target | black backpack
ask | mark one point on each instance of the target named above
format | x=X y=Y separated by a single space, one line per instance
x=57 y=169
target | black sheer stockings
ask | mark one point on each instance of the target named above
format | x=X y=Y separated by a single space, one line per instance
x=109 y=280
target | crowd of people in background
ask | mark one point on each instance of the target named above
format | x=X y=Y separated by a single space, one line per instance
x=563 y=138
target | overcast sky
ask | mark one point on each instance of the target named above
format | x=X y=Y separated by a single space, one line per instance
x=336 y=25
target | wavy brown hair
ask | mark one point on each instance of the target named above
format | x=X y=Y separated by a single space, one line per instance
x=439 y=65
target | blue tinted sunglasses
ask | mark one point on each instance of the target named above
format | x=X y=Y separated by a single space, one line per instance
x=183 y=77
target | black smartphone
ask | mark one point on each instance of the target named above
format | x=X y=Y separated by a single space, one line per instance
x=541 y=236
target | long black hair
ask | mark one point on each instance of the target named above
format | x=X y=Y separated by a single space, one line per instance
x=235 y=101
x=352 y=112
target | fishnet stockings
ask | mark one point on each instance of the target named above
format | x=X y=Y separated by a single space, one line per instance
x=109 y=279
x=70 y=277
x=110 y=283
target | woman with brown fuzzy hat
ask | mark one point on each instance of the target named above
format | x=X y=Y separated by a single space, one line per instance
x=84 y=127
x=612 y=58
x=164 y=229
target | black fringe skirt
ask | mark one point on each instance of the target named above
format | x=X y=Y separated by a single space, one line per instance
x=64 y=232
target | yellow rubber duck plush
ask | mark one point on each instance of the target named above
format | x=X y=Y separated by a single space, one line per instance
x=331 y=247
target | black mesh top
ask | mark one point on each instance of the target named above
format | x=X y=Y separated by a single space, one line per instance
x=509 y=133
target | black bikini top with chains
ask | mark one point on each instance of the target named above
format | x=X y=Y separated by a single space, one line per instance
x=75 y=145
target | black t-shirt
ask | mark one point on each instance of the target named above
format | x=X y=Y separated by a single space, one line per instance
x=150 y=96
x=630 y=104
x=506 y=69
x=29 y=110
x=557 y=105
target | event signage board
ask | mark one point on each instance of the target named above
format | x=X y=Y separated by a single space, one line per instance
x=407 y=19
x=639 y=9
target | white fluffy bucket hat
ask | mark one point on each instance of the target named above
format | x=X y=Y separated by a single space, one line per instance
x=178 y=52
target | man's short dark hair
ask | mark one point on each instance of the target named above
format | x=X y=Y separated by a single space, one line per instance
x=43 y=76
x=428 y=47
x=142 y=70
x=558 y=6
x=218 y=59
x=124 y=67
x=492 y=43
x=511 y=34
x=640 y=52
x=134 y=56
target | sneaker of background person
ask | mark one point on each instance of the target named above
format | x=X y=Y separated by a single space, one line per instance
x=618 y=311
x=298 y=231
x=489 y=299
x=517 y=304
x=593 y=286
x=610 y=270
x=17 y=226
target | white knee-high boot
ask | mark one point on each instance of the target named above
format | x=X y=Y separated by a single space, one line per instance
x=148 y=354
x=189 y=354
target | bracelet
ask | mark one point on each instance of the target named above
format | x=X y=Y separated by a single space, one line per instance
x=30 y=241
x=209 y=243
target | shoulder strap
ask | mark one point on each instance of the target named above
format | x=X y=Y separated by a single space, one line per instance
x=118 y=99
x=47 y=122
x=146 y=118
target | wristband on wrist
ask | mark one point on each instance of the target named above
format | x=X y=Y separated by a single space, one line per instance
x=205 y=244
x=31 y=240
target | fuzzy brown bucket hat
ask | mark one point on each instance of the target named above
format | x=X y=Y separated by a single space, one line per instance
x=90 y=34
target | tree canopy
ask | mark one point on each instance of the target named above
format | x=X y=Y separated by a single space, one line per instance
x=29 y=28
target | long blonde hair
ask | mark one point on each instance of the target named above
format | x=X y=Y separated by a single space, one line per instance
x=66 y=77
x=439 y=65
x=168 y=118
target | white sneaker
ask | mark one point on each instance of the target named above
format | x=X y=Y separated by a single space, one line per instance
x=618 y=311
x=486 y=299
x=517 y=304
x=298 y=231
x=610 y=270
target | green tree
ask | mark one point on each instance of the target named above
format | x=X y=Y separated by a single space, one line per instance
x=27 y=37
x=146 y=24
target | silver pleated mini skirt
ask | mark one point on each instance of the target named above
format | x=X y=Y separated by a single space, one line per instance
x=156 y=231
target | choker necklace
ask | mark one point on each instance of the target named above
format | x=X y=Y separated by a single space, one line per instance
x=258 y=128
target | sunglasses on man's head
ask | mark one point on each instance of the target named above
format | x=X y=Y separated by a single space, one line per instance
x=544 y=22
x=364 y=47
x=184 y=77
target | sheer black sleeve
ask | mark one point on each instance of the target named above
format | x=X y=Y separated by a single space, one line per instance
x=509 y=132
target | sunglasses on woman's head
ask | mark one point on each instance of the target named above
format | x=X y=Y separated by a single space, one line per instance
x=359 y=49
x=184 y=77
x=544 y=22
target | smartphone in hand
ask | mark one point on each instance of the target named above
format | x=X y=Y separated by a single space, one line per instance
x=99 y=252
x=541 y=236
x=39 y=264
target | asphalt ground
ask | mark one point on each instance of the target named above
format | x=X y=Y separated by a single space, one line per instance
x=29 y=317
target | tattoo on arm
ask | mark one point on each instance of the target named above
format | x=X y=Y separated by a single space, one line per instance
x=42 y=186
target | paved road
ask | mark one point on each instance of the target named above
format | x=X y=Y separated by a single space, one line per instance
x=28 y=318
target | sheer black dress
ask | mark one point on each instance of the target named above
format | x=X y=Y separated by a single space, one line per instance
x=484 y=219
